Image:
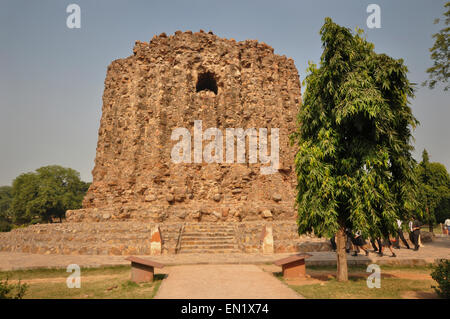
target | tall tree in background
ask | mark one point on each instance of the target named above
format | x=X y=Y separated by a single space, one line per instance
x=46 y=194
x=354 y=163
x=434 y=188
x=440 y=54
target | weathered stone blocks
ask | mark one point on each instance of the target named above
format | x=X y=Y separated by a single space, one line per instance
x=173 y=81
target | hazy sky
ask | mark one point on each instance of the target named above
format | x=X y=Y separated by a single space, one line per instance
x=51 y=77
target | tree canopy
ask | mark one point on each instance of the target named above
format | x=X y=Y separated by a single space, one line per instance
x=440 y=54
x=5 y=202
x=354 y=163
x=46 y=194
x=434 y=190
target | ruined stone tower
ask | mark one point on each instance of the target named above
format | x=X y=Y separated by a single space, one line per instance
x=170 y=83
x=144 y=202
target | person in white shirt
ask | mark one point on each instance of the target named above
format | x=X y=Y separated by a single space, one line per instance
x=447 y=225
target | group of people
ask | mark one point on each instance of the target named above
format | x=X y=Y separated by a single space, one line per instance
x=356 y=242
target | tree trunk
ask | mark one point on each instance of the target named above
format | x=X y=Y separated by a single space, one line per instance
x=342 y=272
x=430 y=221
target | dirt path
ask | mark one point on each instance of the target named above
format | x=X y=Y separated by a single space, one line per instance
x=222 y=282
x=438 y=249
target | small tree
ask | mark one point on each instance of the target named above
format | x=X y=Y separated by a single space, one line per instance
x=440 y=54
x=434 y=188
x=354 y=162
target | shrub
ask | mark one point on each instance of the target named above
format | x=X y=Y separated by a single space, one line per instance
x=441 y=274
x=5 y=226
x=11 y=291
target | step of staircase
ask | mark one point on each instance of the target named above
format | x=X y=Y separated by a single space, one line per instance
x=206 y=241
x=208 y=238
x=209 y=246
x=209 y=251
x=209 y=234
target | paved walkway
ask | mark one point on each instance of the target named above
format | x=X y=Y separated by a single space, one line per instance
x=440 y=248
x=223 y=276
x=222 y=282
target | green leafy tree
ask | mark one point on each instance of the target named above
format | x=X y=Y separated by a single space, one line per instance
x=24 y=190
x=5 y=203
x=434 y=188
x=442 y=211
x=46 y=194
x=440 y=54
x=354 y=165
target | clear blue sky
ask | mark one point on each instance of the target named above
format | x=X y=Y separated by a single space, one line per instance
x=51 y=77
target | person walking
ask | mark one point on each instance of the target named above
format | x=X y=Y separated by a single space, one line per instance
x=410 y=228
x=447 y=225
x=359 y=242
x=400 y=236
x=374 y=246
x=386 y=241
x=333 y=243
x=348 y=242
x=415 y=234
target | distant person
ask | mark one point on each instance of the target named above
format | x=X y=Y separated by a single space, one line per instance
x=348 y=241
x=333 y=243
x=410 y=228
x=374 y=246
x=386 y=241
x=400 y=236
x=447 y=225
x=359 y=242
x=415 y=234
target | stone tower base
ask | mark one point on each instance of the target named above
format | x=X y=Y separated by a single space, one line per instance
x=138 y=238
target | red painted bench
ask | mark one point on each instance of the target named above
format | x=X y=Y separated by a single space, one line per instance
x=293 y=266
x=142 y=270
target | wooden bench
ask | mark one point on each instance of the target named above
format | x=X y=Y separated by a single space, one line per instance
x=142 y=270
x=293 y=266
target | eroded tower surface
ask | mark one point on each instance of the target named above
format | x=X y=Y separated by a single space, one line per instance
x=146 y=201
x=170 y=83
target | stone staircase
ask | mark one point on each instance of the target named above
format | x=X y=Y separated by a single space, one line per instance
x=208 y=238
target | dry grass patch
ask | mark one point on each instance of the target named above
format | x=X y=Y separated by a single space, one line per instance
x=396 y=283
x=96 y=283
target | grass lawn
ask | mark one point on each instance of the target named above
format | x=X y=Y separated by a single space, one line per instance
x=96 y=283
x=396 y=283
